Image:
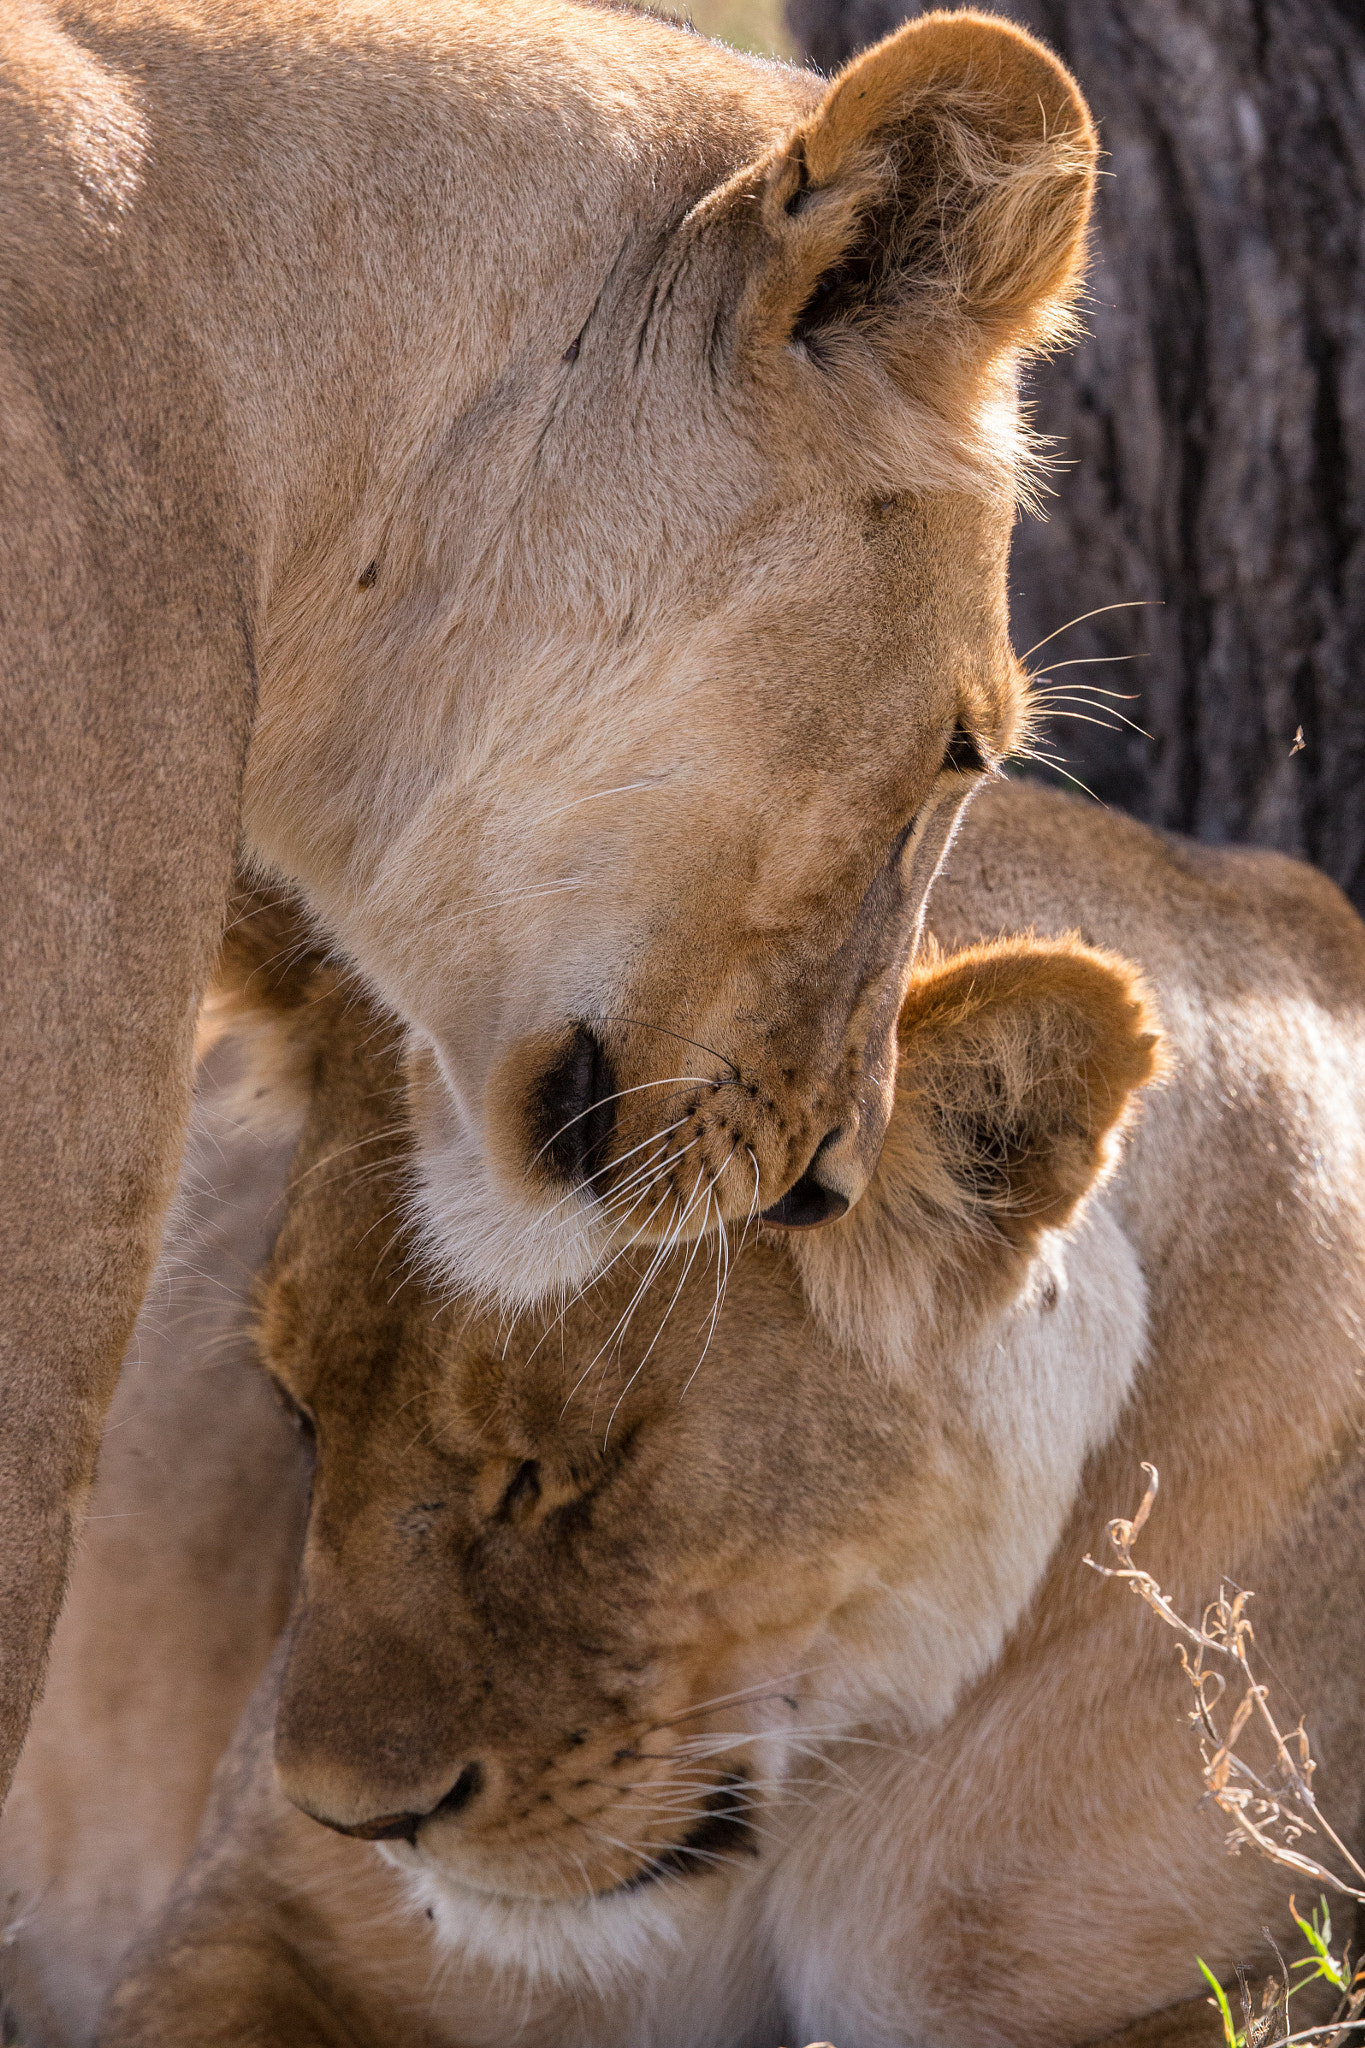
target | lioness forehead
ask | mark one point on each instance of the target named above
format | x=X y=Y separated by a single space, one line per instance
x=364 y=1346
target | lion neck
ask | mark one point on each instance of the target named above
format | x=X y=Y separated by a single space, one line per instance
x=1013 y=1405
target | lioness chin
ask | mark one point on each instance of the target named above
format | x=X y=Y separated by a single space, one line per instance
x=701 y=1667
x=530 y=477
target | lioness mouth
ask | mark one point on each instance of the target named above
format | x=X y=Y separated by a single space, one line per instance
x=808 y=1202
x=720 y=1834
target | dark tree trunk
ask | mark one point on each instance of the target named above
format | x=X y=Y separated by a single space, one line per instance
x=1213 y=424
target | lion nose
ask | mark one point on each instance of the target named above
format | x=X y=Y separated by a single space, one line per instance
x=811 y=1200
x=573 y=1108
x=403 y=1827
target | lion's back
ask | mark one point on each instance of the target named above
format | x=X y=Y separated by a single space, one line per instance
x=1226 y=919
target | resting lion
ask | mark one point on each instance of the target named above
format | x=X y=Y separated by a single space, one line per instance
x=529 y=477
x=723 y=1669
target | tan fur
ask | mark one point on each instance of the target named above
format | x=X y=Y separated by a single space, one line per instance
x=832 y=1547
x=173 y=1613
x=434 y=450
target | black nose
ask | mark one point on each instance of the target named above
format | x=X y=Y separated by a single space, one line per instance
x=574 y=1111
x=402 y=1827
x=808 y=1201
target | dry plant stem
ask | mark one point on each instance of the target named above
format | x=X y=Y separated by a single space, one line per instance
x=1344 y=2027
x=1349 y=2019
x=1270 y=1814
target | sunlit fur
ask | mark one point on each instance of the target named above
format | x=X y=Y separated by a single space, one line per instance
x=818 y=1542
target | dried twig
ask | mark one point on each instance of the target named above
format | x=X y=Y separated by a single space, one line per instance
x=1272 y=1810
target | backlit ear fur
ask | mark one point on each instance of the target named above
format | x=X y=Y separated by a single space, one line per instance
x=904 y=244
x=275 y=992
x=937 y=199
x=1019 y=1060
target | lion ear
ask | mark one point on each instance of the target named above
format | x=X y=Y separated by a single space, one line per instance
x=270 y=993
x=300 y=1033
x=270 y=957
x=1017 y=1060
x=936 y=200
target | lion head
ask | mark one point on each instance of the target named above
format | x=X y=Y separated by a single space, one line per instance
x=581 y=1592
x=619 y=735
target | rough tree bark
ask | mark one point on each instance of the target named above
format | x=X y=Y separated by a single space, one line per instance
x=1213 y=423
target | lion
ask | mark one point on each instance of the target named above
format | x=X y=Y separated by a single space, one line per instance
x=527 y=478
x=713 y=1661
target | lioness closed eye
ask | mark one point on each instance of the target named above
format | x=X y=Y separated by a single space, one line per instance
x=545 y=482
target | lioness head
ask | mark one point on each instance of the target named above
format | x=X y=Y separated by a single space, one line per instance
x=580 y=1591
x=690 y=636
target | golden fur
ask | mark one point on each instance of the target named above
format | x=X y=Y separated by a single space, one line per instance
x=788 y=1612
x=533 y=475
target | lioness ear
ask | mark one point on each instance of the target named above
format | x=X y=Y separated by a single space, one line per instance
x=277 y=993
x=936 y=201
x=1018 y=1061
x=270 y=957
x=1018 y=1058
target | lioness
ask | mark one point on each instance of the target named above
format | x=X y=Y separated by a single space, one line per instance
x=530 y=477
x=723 y=1669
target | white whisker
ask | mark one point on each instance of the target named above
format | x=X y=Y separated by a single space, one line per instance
x=1125 y=605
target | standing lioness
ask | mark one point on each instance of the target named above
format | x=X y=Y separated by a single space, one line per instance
x=543 y=483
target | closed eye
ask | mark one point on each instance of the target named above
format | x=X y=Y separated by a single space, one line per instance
x=303 y=1419
x=964 y=755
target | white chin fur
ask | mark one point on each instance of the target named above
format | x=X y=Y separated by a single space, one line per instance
x=664 y=1967
x=591 y=1943
x=475 y=1236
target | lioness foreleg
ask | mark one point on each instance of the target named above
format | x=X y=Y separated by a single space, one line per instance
x=126 y=689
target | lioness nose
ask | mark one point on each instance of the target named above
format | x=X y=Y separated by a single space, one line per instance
x=403 y=1827
x=810 y=1200
x=574 y=1107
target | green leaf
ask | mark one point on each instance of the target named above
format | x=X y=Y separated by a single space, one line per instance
x=1220 y=1998
x=1322 y=1961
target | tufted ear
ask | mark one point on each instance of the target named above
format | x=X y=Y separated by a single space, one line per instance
x=277 y=993
x=303 y=1032
x=936 y=202
x=270 y=958
x=1018 y=1060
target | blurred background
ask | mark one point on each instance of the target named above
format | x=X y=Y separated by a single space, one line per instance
x=1211 y=428
x=756 y=25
